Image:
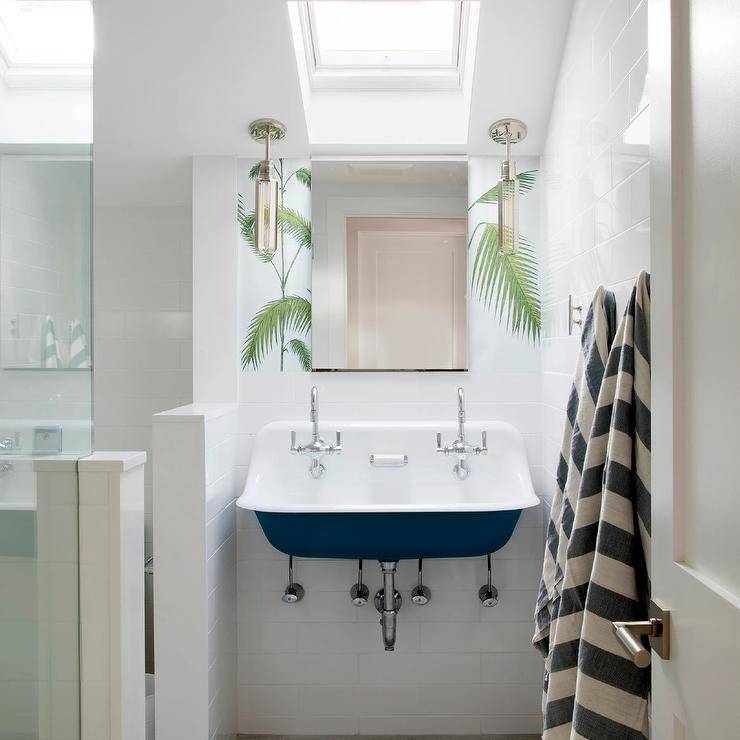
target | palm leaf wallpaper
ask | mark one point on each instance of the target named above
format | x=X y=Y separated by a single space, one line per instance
x=506 y=284
x=277 y=296
x=280 y=330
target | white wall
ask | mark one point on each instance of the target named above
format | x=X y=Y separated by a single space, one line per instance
x=318 y=667
x=595 y=226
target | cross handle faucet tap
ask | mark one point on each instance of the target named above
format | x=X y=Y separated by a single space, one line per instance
x=317 y=447
x=460 y=447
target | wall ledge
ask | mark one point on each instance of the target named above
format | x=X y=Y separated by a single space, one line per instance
x=111 y=462
x=194 y=412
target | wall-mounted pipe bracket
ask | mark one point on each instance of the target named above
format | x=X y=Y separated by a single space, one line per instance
x=294 y=592
x=421 y=594
x=359 y=593
x=488 y=593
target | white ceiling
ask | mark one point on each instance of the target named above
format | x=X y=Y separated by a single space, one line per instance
x=173 y=79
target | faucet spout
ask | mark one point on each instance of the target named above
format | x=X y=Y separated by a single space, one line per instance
x=461 y=413
x=314 y=414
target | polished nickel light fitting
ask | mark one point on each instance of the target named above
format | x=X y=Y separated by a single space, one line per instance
x=266 y=194
x=508 y=131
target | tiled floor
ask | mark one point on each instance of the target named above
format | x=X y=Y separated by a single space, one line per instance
x=389 y=737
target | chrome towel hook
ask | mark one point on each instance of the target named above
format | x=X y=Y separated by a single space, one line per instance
x=572 y=311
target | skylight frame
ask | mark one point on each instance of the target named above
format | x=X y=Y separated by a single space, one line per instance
x=370 y=74
x=18 y=71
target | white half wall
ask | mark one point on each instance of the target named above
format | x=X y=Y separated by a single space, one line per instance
x=195 y=572
x=111 y=517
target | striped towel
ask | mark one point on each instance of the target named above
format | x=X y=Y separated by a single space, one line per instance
x=592 y=688
x=596 y=340
x=79 y=356
x=50 y=352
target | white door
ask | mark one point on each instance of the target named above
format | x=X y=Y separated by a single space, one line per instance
x=695 y=160
x=406 y=293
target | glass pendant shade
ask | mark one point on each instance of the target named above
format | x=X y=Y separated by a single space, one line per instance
x=508 y=209
x=266 y=202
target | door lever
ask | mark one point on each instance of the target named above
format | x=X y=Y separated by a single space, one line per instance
x=656 y=628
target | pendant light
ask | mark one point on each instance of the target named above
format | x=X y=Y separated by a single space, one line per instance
x=266 y=195
x=508 y=131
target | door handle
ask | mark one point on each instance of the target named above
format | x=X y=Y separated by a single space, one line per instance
x=656 y=628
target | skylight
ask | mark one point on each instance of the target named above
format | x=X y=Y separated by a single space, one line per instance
x=385 y=33
x=385 y=43
x=49 y=35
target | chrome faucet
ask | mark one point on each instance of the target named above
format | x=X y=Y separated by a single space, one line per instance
x=460 y=448
x=316 y=448
x=8 y=444
x=314 y=413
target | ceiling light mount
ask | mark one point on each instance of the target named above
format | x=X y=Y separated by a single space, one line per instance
x=516 y=129
x=261 y=128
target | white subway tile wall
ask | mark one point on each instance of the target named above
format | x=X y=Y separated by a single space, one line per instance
x=596 y=216
x=318 y=667
x=143 y=326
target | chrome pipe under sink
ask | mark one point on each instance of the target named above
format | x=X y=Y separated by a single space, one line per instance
x=388 y=602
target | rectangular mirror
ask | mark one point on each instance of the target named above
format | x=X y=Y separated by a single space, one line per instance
x=389 y=281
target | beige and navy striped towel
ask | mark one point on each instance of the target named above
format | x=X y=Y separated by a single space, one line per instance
x=79 y=355
x=51 y=355
x=596 y=340
x=592 y=688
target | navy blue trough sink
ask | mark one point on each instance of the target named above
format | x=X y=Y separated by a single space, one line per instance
x=415 y=509
x=387 y=536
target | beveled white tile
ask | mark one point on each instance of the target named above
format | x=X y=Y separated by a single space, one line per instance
x=512 y=724
x=526 y=667
x=424 y=724
x=631 y=44
x=262 y=668
x=483 y=637
x=609 y=27
x=317 y=726
x=420 y=668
